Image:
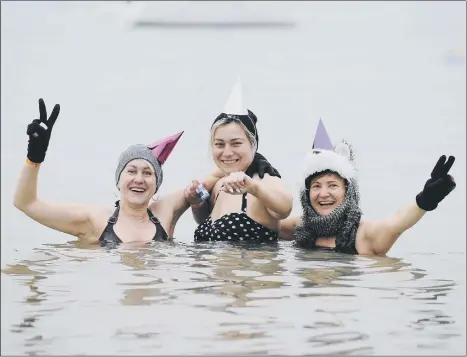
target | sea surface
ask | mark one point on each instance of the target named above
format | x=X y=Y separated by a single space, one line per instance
x=389 y=77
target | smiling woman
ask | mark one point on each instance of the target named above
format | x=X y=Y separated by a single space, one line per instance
x=138 y=177
x=331 y=217
x=327 y=191
x=264 y=199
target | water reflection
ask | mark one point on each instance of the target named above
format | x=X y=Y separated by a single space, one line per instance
x=242 y=271
x=253 y=297
x=325 y=269
x=348 y=281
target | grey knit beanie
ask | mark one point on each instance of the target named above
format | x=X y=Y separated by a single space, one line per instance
x=139 y=151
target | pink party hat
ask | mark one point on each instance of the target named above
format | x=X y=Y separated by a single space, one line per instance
x=162 y=148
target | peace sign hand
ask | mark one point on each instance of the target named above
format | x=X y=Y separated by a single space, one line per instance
x=438 y=186
x=442 y=168
x=39 y=131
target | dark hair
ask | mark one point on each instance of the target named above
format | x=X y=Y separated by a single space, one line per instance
x=249 y=121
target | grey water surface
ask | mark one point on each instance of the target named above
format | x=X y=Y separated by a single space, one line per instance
x=388 y=76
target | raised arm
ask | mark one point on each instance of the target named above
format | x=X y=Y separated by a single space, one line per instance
x=273 y=194
x=381 y=235
x=70 y=219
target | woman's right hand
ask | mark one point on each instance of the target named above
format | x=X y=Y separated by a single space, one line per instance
x=191 y=194
x=39 y=132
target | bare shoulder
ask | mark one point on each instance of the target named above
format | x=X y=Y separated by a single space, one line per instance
x=163 y=210
x=99 y=217
x=269 y=179
x=102 y=212
x=369 y=229
x=156 y=207
x=362 y=231
x=363 y=241
x=273 y=182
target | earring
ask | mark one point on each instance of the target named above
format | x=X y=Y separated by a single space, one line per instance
x=155 y=199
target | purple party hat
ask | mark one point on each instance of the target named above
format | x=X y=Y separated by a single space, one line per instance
x=322 y=140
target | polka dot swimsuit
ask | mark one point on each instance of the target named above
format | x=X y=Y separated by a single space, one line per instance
x=236 y=226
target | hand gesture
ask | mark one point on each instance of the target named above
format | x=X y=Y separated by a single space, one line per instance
x=438 y=186
x=39 y=132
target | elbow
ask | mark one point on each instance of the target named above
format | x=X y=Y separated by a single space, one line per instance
x=21 y=204
x=18 y=204
x=283 y=212
x=287 y=209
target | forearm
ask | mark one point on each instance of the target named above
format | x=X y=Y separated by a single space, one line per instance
x=406 y=217
x=26 y=190
x=201 y=212
x=278 y=201
x=177 y=201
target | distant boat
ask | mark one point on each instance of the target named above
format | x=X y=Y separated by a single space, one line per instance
x=205 y=14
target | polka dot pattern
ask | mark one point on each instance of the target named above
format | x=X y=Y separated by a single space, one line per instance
x=236 y=226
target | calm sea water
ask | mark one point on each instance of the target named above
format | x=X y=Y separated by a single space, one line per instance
x=390 y=77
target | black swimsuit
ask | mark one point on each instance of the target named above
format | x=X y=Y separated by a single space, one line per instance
x=109 y=237
x=235 y=226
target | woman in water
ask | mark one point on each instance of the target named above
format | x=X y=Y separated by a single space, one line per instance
x=138 y=177
x=243 y=206
x=331 y=216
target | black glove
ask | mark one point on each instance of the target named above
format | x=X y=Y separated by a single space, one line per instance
x=438 y=186
x=39 y=136
x=261 y=166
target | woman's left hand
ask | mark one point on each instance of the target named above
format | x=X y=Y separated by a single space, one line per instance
x=238 y=183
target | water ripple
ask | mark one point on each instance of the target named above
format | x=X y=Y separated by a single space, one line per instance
x=223 y=299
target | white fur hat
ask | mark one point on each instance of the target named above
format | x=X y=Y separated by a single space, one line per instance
x=326 y=157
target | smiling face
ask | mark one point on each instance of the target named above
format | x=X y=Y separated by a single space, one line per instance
x=137 y=182
x=327 y=192
x=232 y=148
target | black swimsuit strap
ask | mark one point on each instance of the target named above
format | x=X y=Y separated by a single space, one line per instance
x=153 y=218
x=113 y=219
x=215 y=200
x=244 y=202
x=161 y=234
